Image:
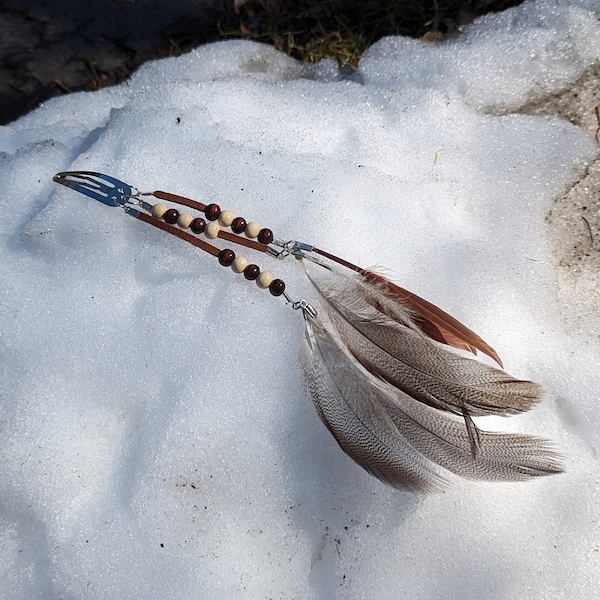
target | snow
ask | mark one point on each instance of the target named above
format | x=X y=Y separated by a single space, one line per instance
x=157 y=441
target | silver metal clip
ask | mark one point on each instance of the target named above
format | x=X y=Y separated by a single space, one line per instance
x=104 y=188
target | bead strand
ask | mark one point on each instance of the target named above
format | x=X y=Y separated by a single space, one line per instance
x=186 y=221
x=239 y=225
x=239 y=264
x=213 y=214
x=227 y=258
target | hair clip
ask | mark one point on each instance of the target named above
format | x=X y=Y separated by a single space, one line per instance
x=376 y=358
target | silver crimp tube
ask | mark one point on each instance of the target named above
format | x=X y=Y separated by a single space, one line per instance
x=291 y=248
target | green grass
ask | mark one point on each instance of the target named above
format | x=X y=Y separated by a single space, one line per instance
x=311 y=30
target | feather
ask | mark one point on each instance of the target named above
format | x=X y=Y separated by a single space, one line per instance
x=396 y=350
x=352 y=411
x=432 y=320
x=399 y=440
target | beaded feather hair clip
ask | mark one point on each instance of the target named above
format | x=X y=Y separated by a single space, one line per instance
x=376 y=358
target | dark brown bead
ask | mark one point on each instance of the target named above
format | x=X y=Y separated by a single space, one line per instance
x=171 y=216
x=238 y=225
x=226 y=257
x=198 y=225
x=212 y=212
x=277 y=287
x=251 y=272
x=265 y=236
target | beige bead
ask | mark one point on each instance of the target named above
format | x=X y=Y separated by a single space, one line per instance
x=252 y=229
x=184 y=220
x=239 y=264
x=158 y=210
x=263 y=281
x=226 y=218
x=212 y=230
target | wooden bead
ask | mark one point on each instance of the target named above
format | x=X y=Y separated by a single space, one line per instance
x=212 y=230
x=263 y=281
x=158 y=210
x=226 y=257
x=212 y=212
x=226 y=218
x=252 y=229
x=239 y=264
x=171 y=216
x=251 y=272
x=238 y=225
x=198 y=225
x=265 y=236
x=184 y=220
x=276 y=287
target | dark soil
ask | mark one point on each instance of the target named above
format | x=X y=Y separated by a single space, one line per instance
x=54 y=47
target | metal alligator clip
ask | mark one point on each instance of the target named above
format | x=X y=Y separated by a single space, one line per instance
x=105 y=189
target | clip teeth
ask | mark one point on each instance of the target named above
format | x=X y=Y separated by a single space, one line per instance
x=104 y=188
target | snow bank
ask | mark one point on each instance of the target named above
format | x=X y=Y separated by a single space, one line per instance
x=157 y=441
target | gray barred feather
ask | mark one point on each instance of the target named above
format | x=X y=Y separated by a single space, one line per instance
x=444 y=440
x=400 y=440
x=351 y=409
x=403 y=356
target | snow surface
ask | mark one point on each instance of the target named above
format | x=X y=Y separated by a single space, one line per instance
x=157 y=441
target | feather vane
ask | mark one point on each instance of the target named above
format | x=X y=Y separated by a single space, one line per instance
x=401 y=441
x=390 y=396
x=397 y=351
x=432 y=320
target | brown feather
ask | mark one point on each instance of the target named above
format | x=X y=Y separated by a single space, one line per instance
x=433 y=321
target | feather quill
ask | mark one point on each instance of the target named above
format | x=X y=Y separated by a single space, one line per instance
x=399 y=440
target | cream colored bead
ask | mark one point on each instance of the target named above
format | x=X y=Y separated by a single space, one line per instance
x=212 y=230
x=226 y=218
x=263 y=281
x=239 y=264
x=252 y=229
x=158 y=210
x=184 y=220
